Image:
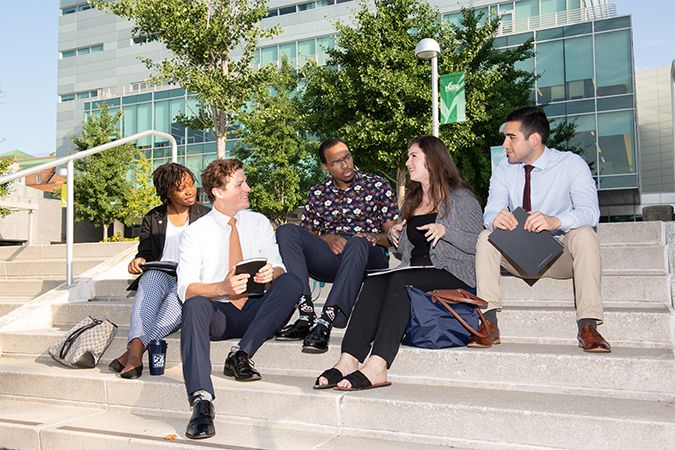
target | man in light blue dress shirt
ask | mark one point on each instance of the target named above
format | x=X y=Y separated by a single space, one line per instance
x=561 y=197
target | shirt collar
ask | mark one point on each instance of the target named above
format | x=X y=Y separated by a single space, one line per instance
x=358 y=179
x=223 y=219
x=543 y=161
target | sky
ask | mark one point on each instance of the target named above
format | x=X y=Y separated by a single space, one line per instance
x=29 y=55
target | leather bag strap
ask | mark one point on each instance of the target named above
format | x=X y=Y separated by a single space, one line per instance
x=445 y=303
x=65 y=348
x=458 y=296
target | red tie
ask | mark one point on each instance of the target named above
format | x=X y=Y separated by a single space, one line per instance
x=235 y=256
x=527 y=204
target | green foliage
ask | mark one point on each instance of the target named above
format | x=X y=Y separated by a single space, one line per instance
x=376 y=95
x=561 y=137
x=119 y=237
x=280 y=165
x=102 y=190
x=143 y=197
x=4 y=188
x=202 y=36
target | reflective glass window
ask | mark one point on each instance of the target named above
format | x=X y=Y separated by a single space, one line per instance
x=616 y=143
x=67 y=97
x=584 y=137
x=626 y=181
x=579 y=107
x=288 y=50
x=552 y=6
x=82 y=51
x=550 y=67
x=620 y=102
x=454 y=18
x=552 y=33
x=287 y=10
x=68 y=54
x=579 y=67
x=97 y=48
x=517 y=39
x=573 y=4
x=527 y=8
x=129 y=120
x=613 y=63
x=306 y=51
x=162 y=122
x=192 y=110
x=176 y=107
x=612 y=24
x=324 y=43
x=269 y=55
x=306 y=6
x=194 y=163
x=577 y=29
x=144 y=122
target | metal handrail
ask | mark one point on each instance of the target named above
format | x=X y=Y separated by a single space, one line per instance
x=68 y=160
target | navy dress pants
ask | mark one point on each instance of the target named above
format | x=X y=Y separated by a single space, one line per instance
x=205 y=320
x=305 y=255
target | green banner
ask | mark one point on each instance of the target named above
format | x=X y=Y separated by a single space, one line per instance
x=453 y=100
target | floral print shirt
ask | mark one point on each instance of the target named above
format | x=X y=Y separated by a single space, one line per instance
x=365 y=206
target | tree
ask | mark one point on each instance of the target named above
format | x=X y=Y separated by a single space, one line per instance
x=4 y=188
x=280 y=164
x=374 y=94
x=143 y=197
x=101 y=190
x=213 y=44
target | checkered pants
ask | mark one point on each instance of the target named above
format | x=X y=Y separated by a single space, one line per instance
x=157 y=309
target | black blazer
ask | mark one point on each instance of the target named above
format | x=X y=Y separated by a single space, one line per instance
x=153 y=230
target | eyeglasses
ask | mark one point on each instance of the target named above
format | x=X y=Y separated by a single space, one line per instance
x=338 y=162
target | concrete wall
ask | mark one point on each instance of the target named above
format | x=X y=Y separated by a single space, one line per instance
x=35 y=218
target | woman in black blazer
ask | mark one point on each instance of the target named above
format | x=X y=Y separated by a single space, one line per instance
x=157 y=309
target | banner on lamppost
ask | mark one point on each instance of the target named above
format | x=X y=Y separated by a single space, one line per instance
x=453 y=99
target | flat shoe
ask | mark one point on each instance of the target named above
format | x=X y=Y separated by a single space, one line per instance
x=360 y=382
x=332 y=375
x=132 y=374
x=116 y=366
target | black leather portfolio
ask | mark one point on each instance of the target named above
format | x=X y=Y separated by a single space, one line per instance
x=530 y=253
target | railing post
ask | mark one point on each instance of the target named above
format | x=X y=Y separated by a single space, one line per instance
x=70 y=220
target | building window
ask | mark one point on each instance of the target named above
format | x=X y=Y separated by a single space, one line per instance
x=75 y=8
x=81 y=51
x=614 y=69
x=78 y=95
x=615 y=143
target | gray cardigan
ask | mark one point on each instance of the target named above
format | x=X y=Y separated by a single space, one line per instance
x=456 y=251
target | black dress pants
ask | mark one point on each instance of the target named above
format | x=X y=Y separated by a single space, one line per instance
x=205 y=320
x=305 y=254
x=382 y=311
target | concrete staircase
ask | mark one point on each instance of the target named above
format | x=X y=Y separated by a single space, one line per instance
x=535 y=390
x=28 y=271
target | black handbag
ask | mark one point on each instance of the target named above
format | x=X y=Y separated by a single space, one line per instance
x=443 y=318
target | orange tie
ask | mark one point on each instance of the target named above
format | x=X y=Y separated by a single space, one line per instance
x=235 y=256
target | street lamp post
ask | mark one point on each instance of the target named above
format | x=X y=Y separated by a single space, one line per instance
x=428 y=48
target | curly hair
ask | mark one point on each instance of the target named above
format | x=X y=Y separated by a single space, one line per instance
x=444 y=176
x=218 y=173
x=168 y=178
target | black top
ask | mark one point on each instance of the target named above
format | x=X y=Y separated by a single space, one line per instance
x=153 y=230
x=420 y=252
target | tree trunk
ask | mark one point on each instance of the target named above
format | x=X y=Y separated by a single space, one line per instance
x=220 y=147
x=400 y=185
x=105 y=232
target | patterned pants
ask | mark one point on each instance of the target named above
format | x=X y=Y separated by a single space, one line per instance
x=157 y=309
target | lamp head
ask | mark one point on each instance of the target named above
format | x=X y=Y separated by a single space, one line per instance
x=427 y=48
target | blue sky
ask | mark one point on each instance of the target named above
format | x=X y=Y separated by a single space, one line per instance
x=29 y=54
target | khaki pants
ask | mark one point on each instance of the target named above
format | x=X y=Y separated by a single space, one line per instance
x=580 y=260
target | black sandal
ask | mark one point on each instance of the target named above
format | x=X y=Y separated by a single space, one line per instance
x=332 y=375
x=360 y=382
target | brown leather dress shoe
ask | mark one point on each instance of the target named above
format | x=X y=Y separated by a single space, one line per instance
x=491 y=339
x=592 y=341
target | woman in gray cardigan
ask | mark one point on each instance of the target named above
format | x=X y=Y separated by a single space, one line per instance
x=437 y=241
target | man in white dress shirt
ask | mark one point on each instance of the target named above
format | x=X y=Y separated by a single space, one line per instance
x=214 y=308
x=558 y=191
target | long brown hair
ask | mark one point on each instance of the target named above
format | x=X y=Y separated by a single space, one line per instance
x=443 y=177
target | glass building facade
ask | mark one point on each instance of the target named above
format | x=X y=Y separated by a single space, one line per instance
x=583 y=60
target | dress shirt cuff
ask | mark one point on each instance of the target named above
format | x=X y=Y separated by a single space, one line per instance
x=567 y=221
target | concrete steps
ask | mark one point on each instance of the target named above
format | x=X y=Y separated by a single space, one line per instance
x=535 y=390
x=35 y=425
x=420 y=414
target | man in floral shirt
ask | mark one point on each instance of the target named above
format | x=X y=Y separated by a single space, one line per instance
x=342 y=233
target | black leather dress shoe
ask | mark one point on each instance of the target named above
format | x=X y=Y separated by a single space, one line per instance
x=201 y=422
x=295 y=332
x=132 y=374
x=238 y=365
x=317 y=340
